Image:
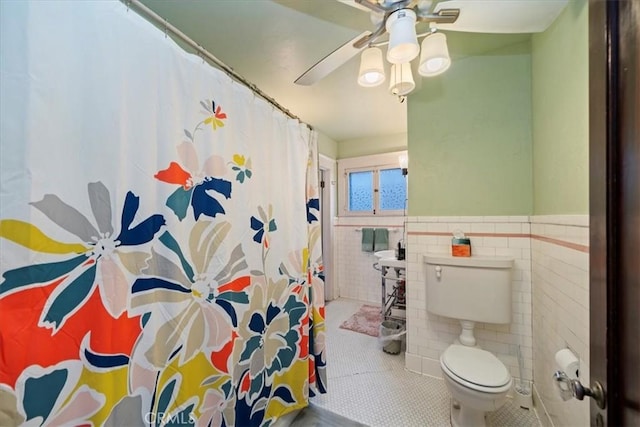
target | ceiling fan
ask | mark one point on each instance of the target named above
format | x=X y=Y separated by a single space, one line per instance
x=395 y=16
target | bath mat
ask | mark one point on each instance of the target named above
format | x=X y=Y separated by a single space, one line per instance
x=366 y=321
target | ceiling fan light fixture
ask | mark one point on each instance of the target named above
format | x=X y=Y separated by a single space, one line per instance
x=371 y=68
x=403 y=41
x=434 y=57
x=401 y=79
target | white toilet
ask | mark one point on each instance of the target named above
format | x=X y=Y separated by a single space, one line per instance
x=473 y=289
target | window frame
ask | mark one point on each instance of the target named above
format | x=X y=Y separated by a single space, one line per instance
x=373 y=163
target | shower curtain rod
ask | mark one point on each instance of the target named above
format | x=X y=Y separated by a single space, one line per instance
x=206 y=54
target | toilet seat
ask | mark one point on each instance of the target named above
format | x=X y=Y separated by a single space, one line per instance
x=475 y=368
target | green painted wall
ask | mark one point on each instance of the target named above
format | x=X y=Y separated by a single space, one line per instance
x=373 y=145
x=327 y=146
x=469 y=137
x=560 y=87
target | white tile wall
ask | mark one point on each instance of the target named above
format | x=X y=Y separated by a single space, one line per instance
x=357 y=278
x=427 y=334
x=560 y=310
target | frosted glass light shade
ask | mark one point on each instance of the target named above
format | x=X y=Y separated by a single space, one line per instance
x=401 y=79
x=434 y=58
x=371 y=68
x=403 y=41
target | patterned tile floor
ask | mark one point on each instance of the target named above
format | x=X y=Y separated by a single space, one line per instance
x=371 y=387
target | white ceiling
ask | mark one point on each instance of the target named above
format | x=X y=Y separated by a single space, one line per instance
x=272 y=42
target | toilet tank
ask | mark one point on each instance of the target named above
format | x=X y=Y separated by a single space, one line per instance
x=473 y=288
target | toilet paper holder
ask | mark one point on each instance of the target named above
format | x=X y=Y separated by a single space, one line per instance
x=573 y=388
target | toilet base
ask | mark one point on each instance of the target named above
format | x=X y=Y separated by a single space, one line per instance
x=462 y=416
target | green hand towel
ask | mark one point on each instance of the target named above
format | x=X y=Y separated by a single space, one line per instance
x=381 y=239
x=367 y=239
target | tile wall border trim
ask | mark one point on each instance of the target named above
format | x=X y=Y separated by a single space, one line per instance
x=568 y=220
x=557 y=242
x=448 y=233
x=563 y=243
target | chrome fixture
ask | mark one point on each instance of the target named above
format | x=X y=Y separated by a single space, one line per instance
x=573 y=388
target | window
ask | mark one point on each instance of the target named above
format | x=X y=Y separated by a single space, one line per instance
x=372 y=187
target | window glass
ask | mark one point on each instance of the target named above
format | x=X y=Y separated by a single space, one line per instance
x=392 y=189
x=361 y=191
x=372 y=185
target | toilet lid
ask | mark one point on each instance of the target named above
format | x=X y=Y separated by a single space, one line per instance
x=475 y=366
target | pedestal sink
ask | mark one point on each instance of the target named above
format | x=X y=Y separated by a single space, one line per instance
x=387 y=258
x=389 y=253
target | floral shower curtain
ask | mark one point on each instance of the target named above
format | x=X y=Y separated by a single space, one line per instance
x=159 y=232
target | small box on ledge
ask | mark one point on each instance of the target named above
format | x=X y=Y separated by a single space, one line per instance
x=460 y=245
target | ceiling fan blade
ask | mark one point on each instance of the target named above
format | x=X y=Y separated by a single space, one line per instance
x=353 y=3
x=332 y=61
x=374 y=6
x=502 y=16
